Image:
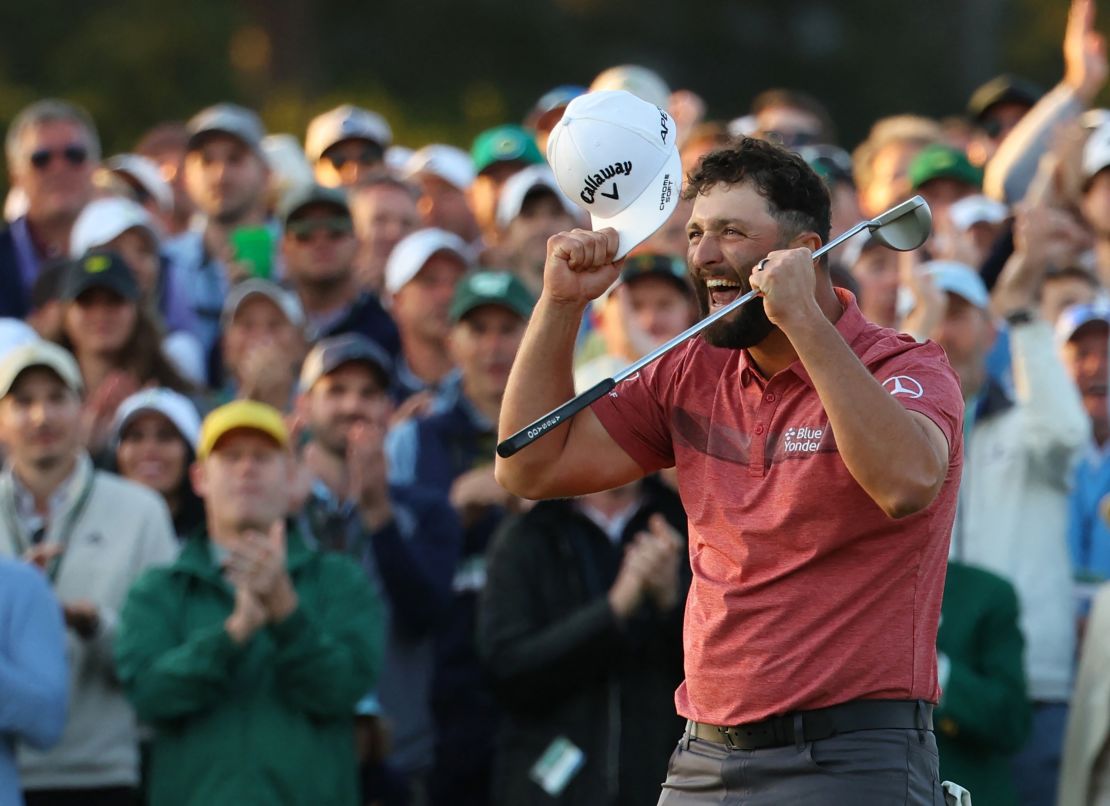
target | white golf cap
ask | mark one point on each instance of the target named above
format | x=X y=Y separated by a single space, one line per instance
x=104 y=220
x=345 y=122
x=640 y=81
x=976 y=209
x=414 y=250
x=960 y=279
x=146 y=173
x=286 y=301
x=15 y=333
x=231 y=119
x=615 y=156
x=1096 y=151
x=396 y=158
x=288 y=167
x=39 y=353
x=452 y=165
x=519 y=185
x=175 y=407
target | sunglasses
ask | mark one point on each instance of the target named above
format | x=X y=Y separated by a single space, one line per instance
x=370 y=155
x=303 y=231
x=73 y=154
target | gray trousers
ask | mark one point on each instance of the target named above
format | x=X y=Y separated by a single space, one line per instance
x=890 y=766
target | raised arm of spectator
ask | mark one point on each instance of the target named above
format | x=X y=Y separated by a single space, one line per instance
x=1012 y=168
x=33 y=675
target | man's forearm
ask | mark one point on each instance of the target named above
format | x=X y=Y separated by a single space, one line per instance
x=541 y=379
x=883 y=446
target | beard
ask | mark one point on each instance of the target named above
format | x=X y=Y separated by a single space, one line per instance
x=745 y=327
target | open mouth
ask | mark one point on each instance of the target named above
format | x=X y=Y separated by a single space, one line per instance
x=722 y=291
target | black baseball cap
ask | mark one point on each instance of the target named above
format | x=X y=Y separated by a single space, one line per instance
x=331 y=353
x=311 y=195
x=1002 y=90
x=653 y=264
x=99 y=269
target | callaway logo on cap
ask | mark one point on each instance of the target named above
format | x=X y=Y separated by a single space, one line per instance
x=615 y=156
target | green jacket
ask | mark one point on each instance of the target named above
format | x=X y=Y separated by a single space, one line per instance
x=266 y=723
x=983 y=716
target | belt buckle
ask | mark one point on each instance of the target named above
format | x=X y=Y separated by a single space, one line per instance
x=727 y=734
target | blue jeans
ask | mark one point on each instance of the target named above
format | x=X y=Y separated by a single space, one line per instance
x=1036 y=767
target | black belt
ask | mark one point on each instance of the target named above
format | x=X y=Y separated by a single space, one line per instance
x=822 y=723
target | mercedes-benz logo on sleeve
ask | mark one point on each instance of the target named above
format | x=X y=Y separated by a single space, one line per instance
x=903 y=385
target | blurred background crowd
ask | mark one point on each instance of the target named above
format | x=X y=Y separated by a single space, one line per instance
x=218 y=320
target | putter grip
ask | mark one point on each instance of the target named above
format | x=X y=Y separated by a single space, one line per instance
x=530 y=433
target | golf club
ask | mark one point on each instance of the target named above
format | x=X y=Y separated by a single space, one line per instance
x=903 y=227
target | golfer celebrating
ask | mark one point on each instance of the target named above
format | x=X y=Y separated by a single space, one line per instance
x=818 y=459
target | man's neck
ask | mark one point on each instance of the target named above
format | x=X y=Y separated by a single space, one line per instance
x=217 y=233
x=323 y=298
x=489 y=406
x=775 y=353
x=50 y=235
x=328 y=467
x=427 y=360
x=43 y=482
x=1101 y=433
x=1102 y=260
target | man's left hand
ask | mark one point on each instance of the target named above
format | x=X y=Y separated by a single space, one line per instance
x=787 y=282
x=258 y=563
x=83 y=617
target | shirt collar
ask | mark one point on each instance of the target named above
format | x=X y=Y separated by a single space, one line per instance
x=850 y=326
x=62 y=496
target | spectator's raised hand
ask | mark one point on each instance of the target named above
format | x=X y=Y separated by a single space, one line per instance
x=658 y=551
x=257 y=563
x=1085 y=65
x=100 y=409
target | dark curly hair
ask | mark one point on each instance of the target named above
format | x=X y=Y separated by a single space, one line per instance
x=796 y=196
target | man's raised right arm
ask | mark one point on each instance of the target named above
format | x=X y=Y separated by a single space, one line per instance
x=577 y=457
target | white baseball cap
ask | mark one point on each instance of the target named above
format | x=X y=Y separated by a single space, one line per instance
x=104 y=220
x=39 y=353
x=146 y=173
x=452 y=165
x=976 y=209
x=285 y=300
x=415 y=249
x=960 y=279
x=1096 y=151
x=614 y=155
x=519 y=185
x=345 y=122
x=175 y=407
x=640 y=81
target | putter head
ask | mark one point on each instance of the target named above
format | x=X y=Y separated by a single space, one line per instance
x=904 y=227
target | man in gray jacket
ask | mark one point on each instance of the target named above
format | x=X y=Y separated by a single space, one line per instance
x=92 y=534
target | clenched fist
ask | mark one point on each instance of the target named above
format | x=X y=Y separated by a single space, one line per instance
x=580 y=265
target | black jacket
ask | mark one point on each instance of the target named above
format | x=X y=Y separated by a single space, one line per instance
x=563 y=667
x=14 y=298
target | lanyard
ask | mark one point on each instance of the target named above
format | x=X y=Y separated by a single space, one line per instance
x=64 y=534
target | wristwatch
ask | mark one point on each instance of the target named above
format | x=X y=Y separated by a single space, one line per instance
x=1021 y=316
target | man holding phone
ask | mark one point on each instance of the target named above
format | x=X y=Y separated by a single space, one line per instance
x=226 y=177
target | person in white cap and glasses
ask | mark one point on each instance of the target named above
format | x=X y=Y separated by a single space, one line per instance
x=91 y=533
x=444 y=175
x=420 y=278
x=530 y=210
x=810 y=629
x=226 y=176
x=346 y=145
x=1094 y=204
x=1020 y=451
x=384 y=210
x=155 y=441
x=262 y=344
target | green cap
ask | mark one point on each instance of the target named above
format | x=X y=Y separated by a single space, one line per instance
x=491 y=288
x=943 y=162
x=504 y=144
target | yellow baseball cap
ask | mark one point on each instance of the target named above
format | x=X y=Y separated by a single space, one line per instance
x=248 y=414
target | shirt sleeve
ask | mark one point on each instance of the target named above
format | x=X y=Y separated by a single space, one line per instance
x=921 y=379
x=636 y=414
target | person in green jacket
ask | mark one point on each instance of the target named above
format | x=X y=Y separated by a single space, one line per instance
x=249 y=653
x=984 y=716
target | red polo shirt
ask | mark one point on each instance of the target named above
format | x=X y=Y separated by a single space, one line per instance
x=805 y=594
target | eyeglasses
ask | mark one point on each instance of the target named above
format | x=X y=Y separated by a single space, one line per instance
x=73 y=154
x=303 y=231
x=366 y=156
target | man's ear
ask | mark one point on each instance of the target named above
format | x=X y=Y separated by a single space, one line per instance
x=810 y=240
x=198 y=479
